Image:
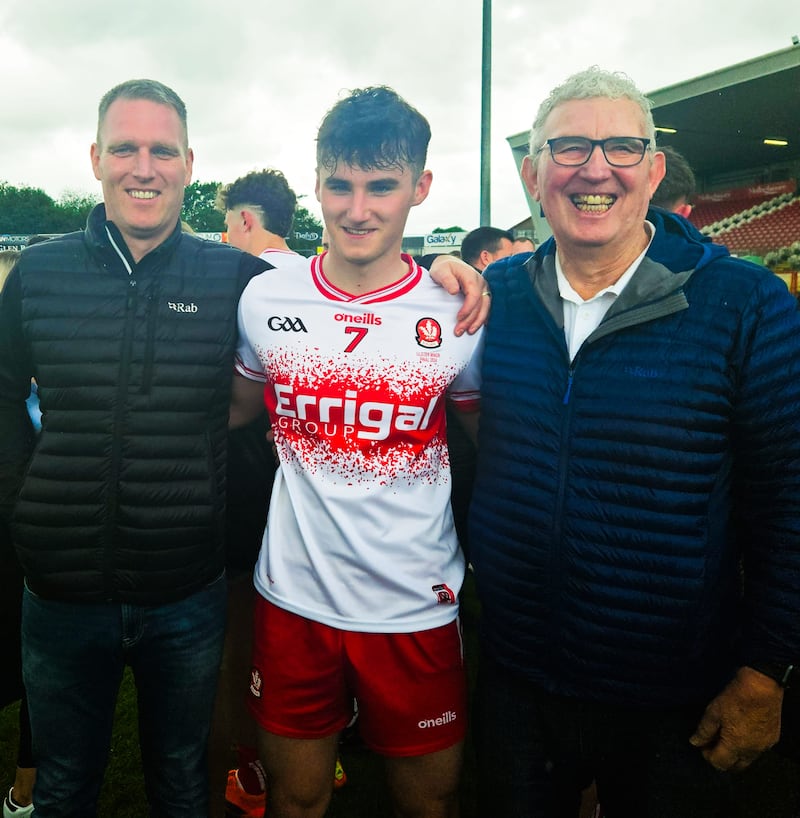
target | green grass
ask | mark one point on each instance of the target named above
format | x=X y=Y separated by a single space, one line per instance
x=123 y=790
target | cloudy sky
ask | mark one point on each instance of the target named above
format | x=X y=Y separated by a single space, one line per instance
x=258 y=76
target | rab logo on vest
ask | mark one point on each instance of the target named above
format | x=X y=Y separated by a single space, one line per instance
x=285 y=324
x=179 y=306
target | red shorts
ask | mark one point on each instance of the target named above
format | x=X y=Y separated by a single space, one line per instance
x=411 y=687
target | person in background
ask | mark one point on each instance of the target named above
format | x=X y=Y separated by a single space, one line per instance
x=677 y=188
x=259 y=209
x=359 y=571
x=8 y=258
x=18 y=801
x=637 y=542
x=483 y=245
x=523 y=244
x=34 y=410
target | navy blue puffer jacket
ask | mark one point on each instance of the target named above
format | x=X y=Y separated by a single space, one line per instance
x=620 y=495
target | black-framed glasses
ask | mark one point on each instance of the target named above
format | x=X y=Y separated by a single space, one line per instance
x=619 y=151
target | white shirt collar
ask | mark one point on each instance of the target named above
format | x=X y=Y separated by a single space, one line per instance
x=568 y=294
x=582 y=317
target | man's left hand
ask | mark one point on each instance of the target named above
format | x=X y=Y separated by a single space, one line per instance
x=456 y=276
x=742 y=722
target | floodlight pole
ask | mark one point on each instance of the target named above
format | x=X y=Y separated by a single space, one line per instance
x=486 y=114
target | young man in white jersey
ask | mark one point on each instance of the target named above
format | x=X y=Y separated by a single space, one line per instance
x=359 y=570
x=259 y=210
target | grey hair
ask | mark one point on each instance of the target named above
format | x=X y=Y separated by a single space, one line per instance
x=151 y=90
x=593 y=83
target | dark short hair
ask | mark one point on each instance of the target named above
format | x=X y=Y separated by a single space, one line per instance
x=151 y=90
x=373 y=128
x=483 y=238
x=678 y=184
x=267 y=193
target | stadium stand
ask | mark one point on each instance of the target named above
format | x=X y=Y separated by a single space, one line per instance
x=751 y=221
x=770 y=230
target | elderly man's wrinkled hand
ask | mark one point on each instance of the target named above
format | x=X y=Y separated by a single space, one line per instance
x=742 y=722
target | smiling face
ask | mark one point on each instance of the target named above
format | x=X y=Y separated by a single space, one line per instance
x=595 y=205
x=143 y=163
x=365 y=211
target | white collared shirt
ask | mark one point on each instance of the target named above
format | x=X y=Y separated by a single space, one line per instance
x=582 y=318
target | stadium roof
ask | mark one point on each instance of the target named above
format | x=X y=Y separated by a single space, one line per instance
x=722 y=118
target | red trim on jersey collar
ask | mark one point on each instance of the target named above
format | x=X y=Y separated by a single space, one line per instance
x=387 y=293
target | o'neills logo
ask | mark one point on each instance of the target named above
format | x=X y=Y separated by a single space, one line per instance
x=429 y=333
x=367 y=318
x=255 y=682
x=445 y=718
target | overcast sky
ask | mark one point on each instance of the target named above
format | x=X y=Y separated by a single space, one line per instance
x=257 y=77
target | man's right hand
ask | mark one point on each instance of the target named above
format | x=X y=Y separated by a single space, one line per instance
x=742 y=722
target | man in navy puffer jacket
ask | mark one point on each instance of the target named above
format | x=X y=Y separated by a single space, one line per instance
x=635 y=526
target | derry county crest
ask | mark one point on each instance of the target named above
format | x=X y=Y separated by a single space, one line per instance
x=429 y=333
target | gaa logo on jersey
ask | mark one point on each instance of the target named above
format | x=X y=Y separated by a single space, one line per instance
x=429 y=333
x=283 y=323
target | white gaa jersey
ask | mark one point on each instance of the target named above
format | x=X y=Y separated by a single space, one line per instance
x=360 y=534
x=278 y=257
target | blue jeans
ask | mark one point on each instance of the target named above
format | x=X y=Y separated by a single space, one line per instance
x=73 y=659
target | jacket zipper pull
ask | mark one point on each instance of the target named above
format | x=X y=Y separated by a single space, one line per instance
x=131 y=292
x=569 y=387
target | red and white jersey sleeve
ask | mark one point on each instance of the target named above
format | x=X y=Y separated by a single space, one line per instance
x=360 y=534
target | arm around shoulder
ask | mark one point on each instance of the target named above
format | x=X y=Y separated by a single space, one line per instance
x=456 y=276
